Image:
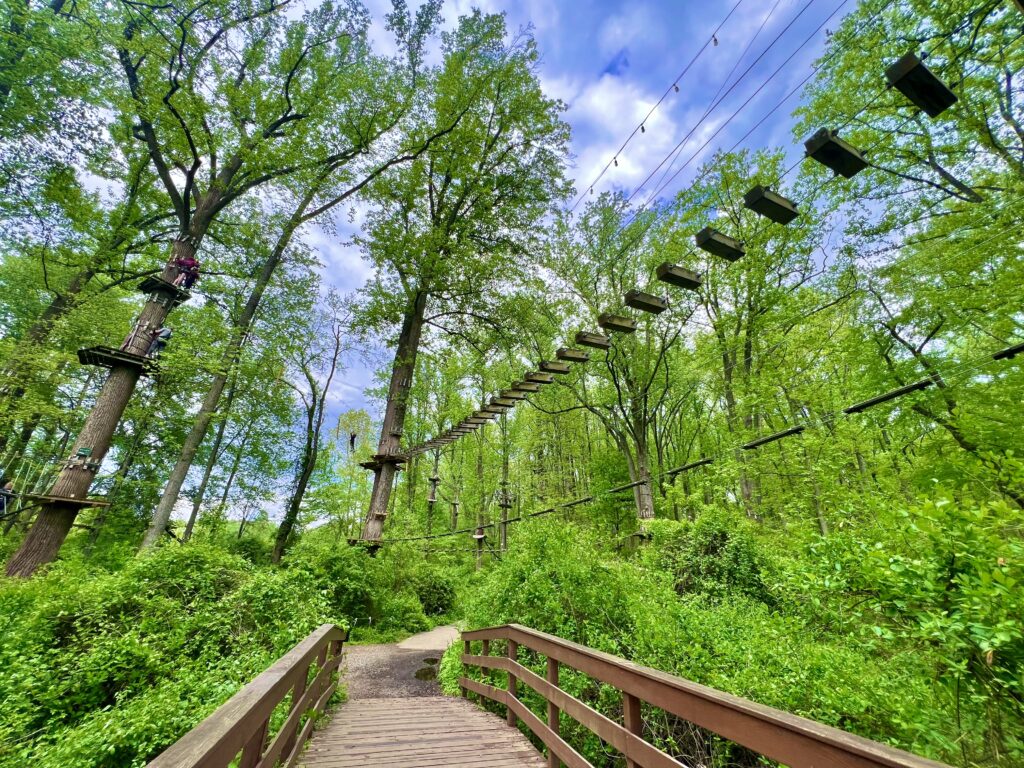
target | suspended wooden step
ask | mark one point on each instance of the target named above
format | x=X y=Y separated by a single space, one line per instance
x=772 y=438
x=616 y=323
x=495 y=409
x=645 y=302
x=526 y=386
x=840 y=156
x=553 y=366
x=471 y=426
x=483 y=418
x=771 y=205
x=1009 y=352
x=105 y=357
x=379 y=460
x=512 y=394
x=536 y=377
x=593 y=340
x=503 y=402
x=572 y=355
x=717 y=244
x=68 y=501
x=914 y=80
x=681 y=277
x=891 y=395
x=692 y=465
x=164 y=293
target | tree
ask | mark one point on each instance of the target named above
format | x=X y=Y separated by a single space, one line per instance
x=442 y=232
x=320 y=357
x=229 y=103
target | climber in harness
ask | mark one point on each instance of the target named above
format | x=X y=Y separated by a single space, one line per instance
x=160 y=338
x=188 y=271
x=6 y=498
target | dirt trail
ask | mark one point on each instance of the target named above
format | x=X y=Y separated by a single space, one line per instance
x=397 y=670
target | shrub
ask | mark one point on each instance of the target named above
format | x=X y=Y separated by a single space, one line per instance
x=108 y=670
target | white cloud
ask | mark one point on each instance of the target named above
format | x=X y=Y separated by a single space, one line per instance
x=635 y=25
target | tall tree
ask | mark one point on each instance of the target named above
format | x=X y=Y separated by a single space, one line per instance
x=442 y=231
x=235 y=97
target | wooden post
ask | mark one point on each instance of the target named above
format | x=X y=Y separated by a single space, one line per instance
x=297 y=690
x=633 y=721
x=253 y=749
x=553 y=713
x=466 y=649
x=513 y=654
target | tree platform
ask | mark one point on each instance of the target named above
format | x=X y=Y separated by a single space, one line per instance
x=106 y=357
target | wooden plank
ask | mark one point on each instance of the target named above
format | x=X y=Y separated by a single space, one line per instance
x=427 y=732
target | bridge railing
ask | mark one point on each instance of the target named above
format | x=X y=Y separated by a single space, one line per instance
x=781 y=736
x=242 y=724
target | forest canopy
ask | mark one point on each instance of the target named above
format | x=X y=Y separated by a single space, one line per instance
x=770 y=441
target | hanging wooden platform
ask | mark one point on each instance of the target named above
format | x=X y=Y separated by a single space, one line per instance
x=616 y=323
x=718 y=244
x=645 y=302
x=572 y=355
x=554 y=366
x=771 y=205
x=106 y=357
x=535 y=377
x=593 y=340
x=681 y=277
x=914 y=80
x=835 y=153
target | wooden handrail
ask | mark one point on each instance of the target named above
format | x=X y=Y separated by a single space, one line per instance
x=241 y=724
x=787 y=738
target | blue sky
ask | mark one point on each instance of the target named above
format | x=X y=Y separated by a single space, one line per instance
x=610 y=61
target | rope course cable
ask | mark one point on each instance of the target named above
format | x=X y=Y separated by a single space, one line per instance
x=674 y=87
x=797 y=426
x=780 y=178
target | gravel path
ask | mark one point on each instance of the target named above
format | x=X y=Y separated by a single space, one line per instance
x=398 y=670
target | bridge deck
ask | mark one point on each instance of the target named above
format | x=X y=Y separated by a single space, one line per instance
x=427 y=732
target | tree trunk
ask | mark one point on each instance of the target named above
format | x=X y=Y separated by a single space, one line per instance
x=44 y=540
x=394 y=416
x=197 y=502
x=169 y=497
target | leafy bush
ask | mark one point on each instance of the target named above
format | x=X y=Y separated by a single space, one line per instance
x=716 y=555
x=436 y=592
x=401 y=611
x=108 y=670
x=557 y=578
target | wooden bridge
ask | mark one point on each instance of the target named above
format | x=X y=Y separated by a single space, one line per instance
x=271 y=721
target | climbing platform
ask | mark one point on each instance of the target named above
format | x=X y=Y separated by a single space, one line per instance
x=106 y=357
x=164 y=292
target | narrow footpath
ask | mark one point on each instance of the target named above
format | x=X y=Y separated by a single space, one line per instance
x=396 y=716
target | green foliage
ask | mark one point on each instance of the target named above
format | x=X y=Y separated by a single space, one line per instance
x=107 y=670
x=716 y=556
x=707 y=601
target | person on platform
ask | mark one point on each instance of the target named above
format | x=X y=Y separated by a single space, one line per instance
x=160 y=338
x=188 y=271
x=6 y=497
